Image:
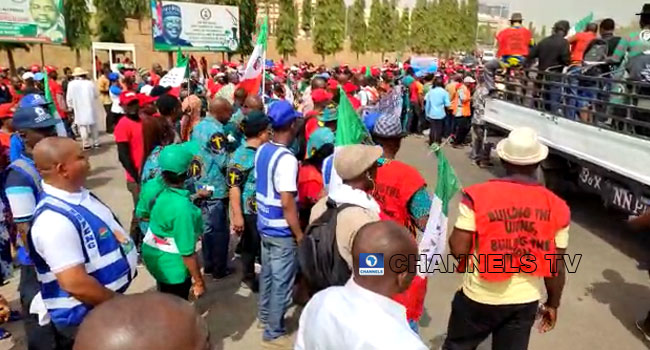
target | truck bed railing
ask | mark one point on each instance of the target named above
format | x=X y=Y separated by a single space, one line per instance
x=619 y=105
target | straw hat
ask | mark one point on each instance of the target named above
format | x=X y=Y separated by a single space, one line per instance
x=522 y=147
x=78 y=71
x=352 y=161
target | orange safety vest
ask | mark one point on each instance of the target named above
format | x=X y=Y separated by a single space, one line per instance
x=514 y=41
x=396 y=183
x=517 y=222
x=465 y=104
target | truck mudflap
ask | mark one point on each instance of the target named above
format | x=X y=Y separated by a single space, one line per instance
x=612 y=193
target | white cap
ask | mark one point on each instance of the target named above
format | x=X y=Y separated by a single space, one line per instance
x=469 y=80
x=522 y=147
x=28 y=75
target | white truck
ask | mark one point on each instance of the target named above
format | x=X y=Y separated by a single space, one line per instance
x=595 y=144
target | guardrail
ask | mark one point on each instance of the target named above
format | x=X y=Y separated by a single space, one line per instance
x=619 y=105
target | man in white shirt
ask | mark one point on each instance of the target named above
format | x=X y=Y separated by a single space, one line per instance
x=361 y=314
x=81 y=98
x=75 y=274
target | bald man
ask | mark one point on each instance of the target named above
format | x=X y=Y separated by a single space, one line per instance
x=234 y=129
x=148 y=321
x=209 y=176
x=75 y=274
x=361 y=314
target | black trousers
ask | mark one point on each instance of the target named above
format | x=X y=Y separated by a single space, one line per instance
x=181 y=290
x=463 y=125
x=250 y=246
x=110 y=119
x=40 y=337
x=470 y=323
x=436 y=129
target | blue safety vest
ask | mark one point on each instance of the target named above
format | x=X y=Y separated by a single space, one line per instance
x=326 y=170
x=26 y=167
x=270 y=217
x=109 y=262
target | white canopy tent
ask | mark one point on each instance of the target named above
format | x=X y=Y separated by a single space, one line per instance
x=113 y=49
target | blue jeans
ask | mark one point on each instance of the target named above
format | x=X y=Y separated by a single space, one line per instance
x=279 y=265
x=216 y=236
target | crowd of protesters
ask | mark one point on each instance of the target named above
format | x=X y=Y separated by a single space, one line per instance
x=209 y=161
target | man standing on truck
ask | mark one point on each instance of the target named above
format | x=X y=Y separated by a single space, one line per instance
x=514 y=228
x=635 y=49
x=514 y=45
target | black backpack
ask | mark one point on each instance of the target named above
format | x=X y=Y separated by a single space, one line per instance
x=321 y=264
x=598 y=49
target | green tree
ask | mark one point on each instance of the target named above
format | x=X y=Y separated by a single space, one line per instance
x=402 y=42
x=329 y=27
x=137 y=9
x=376 y=34
x=247 y=20
x=9 y=49
x=305 y=24
x=391 y=25
x=420 y=27
x=357 y=28
x=111 y=20
x=472 y=13
x=286 y=29
x=450 y=26
x=77 y=26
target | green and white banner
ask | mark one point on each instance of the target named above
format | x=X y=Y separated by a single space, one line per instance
x=194 y=27
x=32 y=21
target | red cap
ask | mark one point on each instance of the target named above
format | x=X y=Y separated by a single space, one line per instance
x=232 y=65
x=35 y=68
x=374 y=71
x=129 y=74
x=321 y=95
x=349 y=87
x=127 y=97
x=214 y=71
x=50 y=69
x=144 y=99
x=332 y=84
x=6 y=110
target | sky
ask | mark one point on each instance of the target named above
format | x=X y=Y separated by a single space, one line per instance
x=547 y=12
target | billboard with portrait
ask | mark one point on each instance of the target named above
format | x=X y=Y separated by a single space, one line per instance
x=35 y=21
x=194 y=27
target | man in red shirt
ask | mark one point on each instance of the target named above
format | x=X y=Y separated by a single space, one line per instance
x=514 y=46
x=321 y=98
x=155 y=73
x=580 y=41
x=130 y=150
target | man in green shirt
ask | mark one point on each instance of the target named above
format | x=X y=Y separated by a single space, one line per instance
x=241 y=181
x=175 y=224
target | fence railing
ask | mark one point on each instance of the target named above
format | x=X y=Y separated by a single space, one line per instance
x=580 y=95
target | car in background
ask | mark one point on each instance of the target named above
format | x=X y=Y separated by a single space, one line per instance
x=488 y=56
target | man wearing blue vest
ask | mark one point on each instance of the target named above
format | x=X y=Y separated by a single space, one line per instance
x=276 y=171
x=82 y=254
x=208 y=174
x=23 y=190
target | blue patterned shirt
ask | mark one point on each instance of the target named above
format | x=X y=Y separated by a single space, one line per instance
x=208 y=168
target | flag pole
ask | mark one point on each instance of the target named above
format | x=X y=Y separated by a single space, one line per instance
x=263 y=73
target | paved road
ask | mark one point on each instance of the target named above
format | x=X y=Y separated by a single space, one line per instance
x=600 y=304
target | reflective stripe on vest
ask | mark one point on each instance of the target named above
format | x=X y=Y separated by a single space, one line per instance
x=106 y=260
x=270 y=217
x=328 y=163
x=27 y=169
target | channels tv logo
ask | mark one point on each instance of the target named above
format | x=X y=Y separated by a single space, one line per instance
x=371 y=264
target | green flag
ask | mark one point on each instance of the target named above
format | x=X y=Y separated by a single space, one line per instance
x=181 y=60
x=50 y=99
x=434 y=238
x=581 y=24
x=368 y=73
x=350 y=130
